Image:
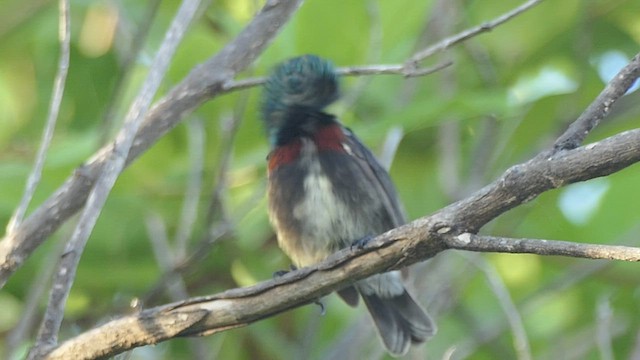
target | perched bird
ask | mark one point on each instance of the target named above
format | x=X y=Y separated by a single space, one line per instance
x=326 y=191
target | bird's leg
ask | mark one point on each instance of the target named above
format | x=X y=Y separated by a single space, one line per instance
x=292 y=267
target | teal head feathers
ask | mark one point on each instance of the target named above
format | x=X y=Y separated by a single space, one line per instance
x=307 y=83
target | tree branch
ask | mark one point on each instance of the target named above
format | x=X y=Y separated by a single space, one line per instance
x=422 y=239
x=52 y=116
x=471 y=242
x=514 y=318
x=134 y=49
x=591 y=117
x=381 y=69
x=467 y=34
x=204 y=82
x=541 y=174
x=217 y=222
x=116 y=159
x=410 y=67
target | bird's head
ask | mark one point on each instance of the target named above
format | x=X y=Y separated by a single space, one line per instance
x=303 y=84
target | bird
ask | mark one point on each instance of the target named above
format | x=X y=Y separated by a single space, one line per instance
x=326 y=191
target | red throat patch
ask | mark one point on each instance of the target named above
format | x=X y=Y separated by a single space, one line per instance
x=283 y=155
x=328 y=138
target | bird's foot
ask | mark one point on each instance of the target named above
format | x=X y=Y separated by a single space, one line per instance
x=281 y=273
x=361 y=243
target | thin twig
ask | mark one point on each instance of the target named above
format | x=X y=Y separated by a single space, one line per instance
x=449 y=153
x=216 y=232
x=64 y=26
x=472 y=242
x=469 y=33
x=485 y=149
x=580 y=344
x=20 y=334
x=157 y=234
x=635 y=353
x=572 y=276
x=520 y=339
x=604 y=317
x=409 y=68
x=373 y=56
x=123 y=76
x=408 y=90
x=177 y=289
x=600 y=107
x=67 y=267
x=218 y=224
x=364 y=70
x=189 y=212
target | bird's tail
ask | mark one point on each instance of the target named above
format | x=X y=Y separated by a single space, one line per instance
x=400 y=321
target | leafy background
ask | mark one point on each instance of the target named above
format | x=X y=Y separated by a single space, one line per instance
x=508 y=95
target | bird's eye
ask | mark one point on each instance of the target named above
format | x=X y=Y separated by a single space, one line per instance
x=294 y=83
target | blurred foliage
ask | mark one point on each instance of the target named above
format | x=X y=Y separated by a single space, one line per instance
x=509 y=93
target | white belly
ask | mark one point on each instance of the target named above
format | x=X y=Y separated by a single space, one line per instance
x=328 y=224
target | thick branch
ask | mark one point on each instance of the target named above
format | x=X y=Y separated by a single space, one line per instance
x=400 y=247
x=541 y=174
x=204 y=82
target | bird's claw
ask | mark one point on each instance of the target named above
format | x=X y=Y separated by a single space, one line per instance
x=323 y=310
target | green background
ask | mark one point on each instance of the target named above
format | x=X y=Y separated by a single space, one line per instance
x=508 y=95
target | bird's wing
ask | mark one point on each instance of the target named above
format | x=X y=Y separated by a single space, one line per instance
x=378 y=177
